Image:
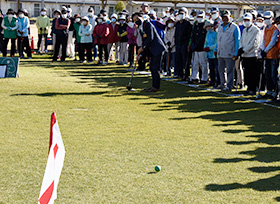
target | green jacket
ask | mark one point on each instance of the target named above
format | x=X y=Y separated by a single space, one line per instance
x=43 y=24
x=8 y=33
x=77 y=28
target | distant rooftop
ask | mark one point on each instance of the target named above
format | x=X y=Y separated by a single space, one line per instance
x=232 y=2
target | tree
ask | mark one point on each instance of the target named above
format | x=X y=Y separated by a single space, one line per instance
x=119 y=6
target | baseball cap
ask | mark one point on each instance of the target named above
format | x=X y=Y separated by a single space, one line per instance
x=247 y=16
x=145 y=4
x=225 y=13
x=214 y=9
x=268 y=14
x=201 y=14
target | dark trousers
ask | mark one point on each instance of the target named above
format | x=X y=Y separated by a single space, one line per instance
x=271 y=73
x=60 y=41
x=142 y=60
x=102 y=48
x=1 y=42
x=40 y=36
x=131 y=49
x=79 y=49
x=261 y=74
x=23 y=42
x=250 y=72
x=155 y=70
x=214 y=74
x=13 y=47
x=87 y=47
x=94 y=48
x=180 y=60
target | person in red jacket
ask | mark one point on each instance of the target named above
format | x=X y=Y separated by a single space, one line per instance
x=100 y=33
x=113 y=37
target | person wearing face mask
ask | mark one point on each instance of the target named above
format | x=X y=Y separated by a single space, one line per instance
x=22 y=33
x=62 y=26
x=170 y=42
x=208 y=15
x=71 y=38
x=260 y=62
x=270 y=53
x=131 y=42
x=85 y=32
x=183 y=30
x=197 y=47
x=43 y=25
x=209 y=46
x=154 y=45
x=248 y=49
x=122 y=33
x=10 y=25
x=113 y=37
x=56 y=14
x=92 y=21
x=100 y=33
x=215 y=16
x=77 y=26
x=227 y=50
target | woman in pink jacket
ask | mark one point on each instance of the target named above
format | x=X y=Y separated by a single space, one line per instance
x=131 y=42
x=100 y=33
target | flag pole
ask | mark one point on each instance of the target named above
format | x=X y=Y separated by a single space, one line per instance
x=53 y=121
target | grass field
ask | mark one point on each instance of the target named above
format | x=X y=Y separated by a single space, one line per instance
x=212 y=148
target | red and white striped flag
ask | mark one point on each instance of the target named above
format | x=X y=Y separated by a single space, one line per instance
x=54 y=165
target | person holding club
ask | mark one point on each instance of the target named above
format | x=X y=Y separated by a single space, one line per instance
x=22 y=33
x=154 y=45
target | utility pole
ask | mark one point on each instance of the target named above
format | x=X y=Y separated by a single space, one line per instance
x=18 y=4
x=42 y=4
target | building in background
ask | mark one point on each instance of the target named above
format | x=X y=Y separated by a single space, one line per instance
x=237 y=7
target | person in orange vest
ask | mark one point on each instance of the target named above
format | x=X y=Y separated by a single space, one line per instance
x=270 y=53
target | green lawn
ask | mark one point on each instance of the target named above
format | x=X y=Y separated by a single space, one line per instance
x=212 y=148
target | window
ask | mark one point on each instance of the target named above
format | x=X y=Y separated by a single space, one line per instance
x=36 y=9
x=14 y=6
x=111 y=10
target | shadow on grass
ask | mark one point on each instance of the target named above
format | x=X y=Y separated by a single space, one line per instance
x=50 y=94
x=226 y=112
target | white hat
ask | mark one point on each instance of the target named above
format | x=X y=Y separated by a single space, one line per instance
x=201 y=14
x=247 y=16
x=122 y=17
x=85 y=18
x=152 y=12
x=268 y=14
x=69 y=10
x=114 y=16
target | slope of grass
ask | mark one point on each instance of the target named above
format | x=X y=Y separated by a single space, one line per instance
x=212 y=149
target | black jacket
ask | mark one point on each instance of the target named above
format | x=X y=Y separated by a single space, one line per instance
x=198 y=37
x=151 y=39
x=183 y=32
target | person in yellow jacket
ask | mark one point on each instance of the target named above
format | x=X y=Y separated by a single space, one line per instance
x=43 y=25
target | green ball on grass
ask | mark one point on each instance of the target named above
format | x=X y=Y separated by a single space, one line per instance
x=157 y=168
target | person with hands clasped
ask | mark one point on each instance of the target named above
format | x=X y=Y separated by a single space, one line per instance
x=43 y=25
x=248 y=50
x=209 y=46
x=85 y=33
x=22 y=33
x=100 y=33
x=10 y=25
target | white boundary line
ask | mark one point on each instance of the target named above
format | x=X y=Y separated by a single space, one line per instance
x=237 y=96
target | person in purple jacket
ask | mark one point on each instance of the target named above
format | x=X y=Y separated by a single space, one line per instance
x=131 y=42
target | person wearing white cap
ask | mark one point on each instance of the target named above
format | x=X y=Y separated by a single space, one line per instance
x=113 y=37
x=227 y=50
x=199 y=55
x=122 y=33
x=145 y=8
x=270 y=53
x=92 y=21
x=85 y=31
x=71 y=39
x=248 y=50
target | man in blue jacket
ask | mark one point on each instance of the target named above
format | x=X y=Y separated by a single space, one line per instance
x=154 y=45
